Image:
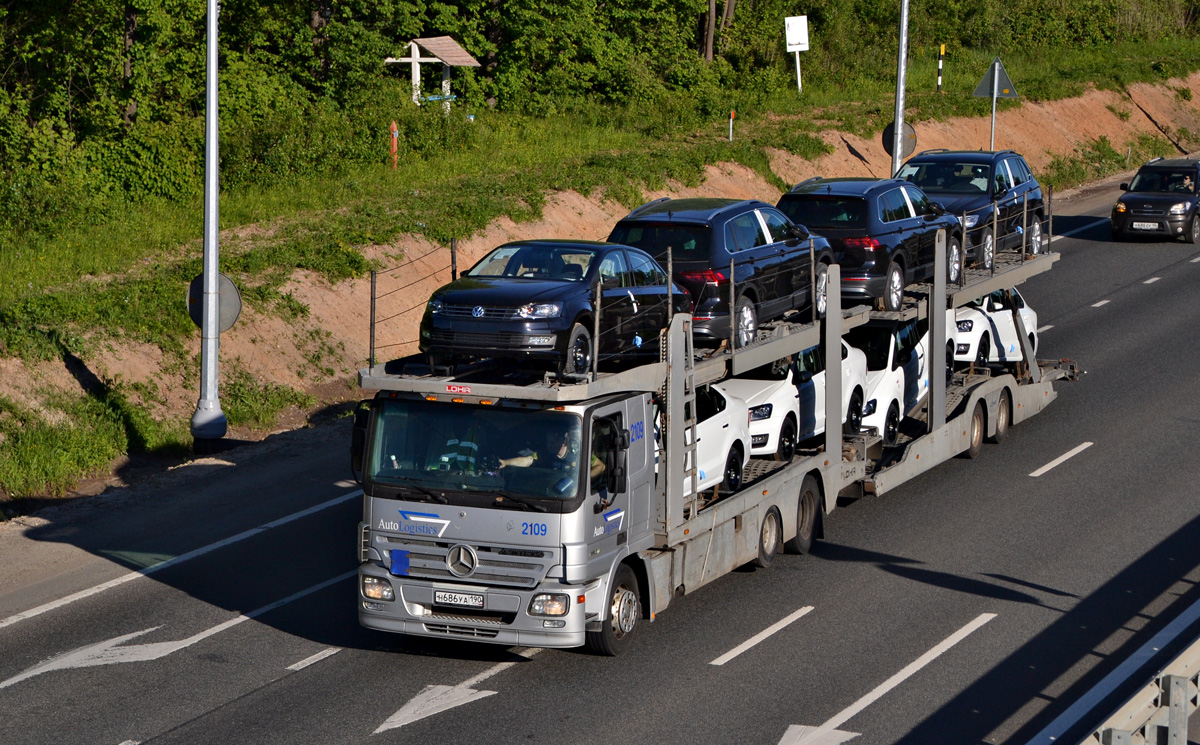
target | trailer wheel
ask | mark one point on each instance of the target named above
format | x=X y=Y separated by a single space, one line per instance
x=978 y=427
x=891 y=426
x=787 y=440
x=623 y=612
x=1003 y=419
x=808 y=519
x=768 y=538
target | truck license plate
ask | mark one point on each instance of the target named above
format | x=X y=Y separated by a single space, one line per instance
x=1145 y=226
x=458 y=598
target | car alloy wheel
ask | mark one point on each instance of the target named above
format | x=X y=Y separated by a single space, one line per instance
x=821 y=301
x=1035 y=236
x=895 y=287
x=953 y=261
x=989 y=250
x=747 y=323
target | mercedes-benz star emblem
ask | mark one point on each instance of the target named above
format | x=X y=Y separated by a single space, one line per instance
x=477 y=311
x=462 y=560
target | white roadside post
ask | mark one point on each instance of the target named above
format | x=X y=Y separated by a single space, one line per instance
x=795 y=30
x=208 y=421
x=901 y=70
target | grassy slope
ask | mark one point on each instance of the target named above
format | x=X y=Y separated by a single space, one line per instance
x=145 y=257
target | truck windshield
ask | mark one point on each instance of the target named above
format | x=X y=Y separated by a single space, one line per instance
x=461 y=448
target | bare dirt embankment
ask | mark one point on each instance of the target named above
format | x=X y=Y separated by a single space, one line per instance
x=276 y=351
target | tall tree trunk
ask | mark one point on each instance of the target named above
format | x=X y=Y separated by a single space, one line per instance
x=727 y=14
x=710 y=30
x=131 y=19
x=321 y=12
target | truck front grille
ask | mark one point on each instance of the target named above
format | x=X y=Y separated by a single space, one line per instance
x=499 y=566
x=465 y=632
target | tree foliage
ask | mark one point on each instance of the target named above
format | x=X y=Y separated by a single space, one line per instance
x=101 y=101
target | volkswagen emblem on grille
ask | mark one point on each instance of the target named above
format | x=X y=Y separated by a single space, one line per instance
x=477 y=311
x=462 y=560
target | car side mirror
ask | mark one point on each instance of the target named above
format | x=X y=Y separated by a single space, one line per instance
x=798 y=232
x=1124 y=187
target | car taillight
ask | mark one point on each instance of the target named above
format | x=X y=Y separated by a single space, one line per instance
x=708 y=276
x=867 y=243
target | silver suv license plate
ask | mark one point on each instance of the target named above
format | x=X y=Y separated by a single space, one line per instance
x=457 y=598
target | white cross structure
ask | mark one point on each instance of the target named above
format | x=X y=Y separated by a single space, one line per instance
x=444 y=50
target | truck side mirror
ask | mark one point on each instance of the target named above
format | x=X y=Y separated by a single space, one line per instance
x=358 y=438
x=618 y=480
x=623 y=440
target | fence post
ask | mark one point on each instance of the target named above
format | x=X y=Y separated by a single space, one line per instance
x=371 y=356
x=732 y=310
x=1024 y=225
x=670 y=285
x=812 y=275
x=1050 y=214
x=453 y=259
x=962 y=271
x=596 y=327
x=995 y=235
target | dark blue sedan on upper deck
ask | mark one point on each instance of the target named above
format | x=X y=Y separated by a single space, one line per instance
x=534 y=300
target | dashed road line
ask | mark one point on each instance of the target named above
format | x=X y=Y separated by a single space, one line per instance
x=1152 y=280
x=1047 y=327
x=55 y=604
x=315 y=658
x=760 y=636
x=1102 y=302
x=1196 y=260
x=1062 y=458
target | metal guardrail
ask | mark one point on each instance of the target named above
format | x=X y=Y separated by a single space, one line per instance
x=1159 y=712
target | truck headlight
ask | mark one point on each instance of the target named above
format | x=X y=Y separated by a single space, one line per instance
x=758 y=413
x=1178 y=209
x=550 y=604
x=965 y=326
x=540 y=310
x=377 y=589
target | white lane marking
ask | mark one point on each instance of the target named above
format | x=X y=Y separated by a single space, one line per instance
x=1086 y=705
x=109 y=652
x=1152 y=280
x=132 y=742
x=315 y=658
x=434 y=699
x=1070 y=233
x=1102 y=302
x=1062 y=458
x=54 y=605
x=1047 y=327
x=1196 y=260
x=798 y=735
x=773 y=628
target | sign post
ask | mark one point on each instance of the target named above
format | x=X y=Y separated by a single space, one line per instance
x=901 y=70
x=795 y=29
x=996 y=84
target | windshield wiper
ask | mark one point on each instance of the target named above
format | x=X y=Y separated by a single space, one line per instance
x=414 y=484
x=503 y=495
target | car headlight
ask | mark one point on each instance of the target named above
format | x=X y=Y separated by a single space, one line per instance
x=758 y=413
x=970 y=222
x=965 y=326
x=550 y=604
x=1178 y=209
x=1119 y=207
x=435 y=306
x=540 y=310
x=869 y=408
x=377 y=589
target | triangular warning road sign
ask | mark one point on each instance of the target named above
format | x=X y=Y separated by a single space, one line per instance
x=1004 y=87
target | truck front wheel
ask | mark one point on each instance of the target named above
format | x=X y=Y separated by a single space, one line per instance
x=623 y=612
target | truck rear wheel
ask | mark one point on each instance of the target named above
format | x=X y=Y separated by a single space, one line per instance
x=623 y=611
x=1003 y=419
x=768 y=538
x=808 y=518
x=978 y=427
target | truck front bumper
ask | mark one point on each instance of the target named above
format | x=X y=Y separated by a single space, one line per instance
x=503 y=619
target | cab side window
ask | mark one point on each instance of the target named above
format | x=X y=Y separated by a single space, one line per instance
x=604 y=438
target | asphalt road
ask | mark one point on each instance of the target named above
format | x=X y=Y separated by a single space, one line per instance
x=976 y=603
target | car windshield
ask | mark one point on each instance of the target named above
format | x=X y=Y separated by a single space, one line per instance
x=943 y=177
x=686 y=242
x=1164 y=181
x=825 y=212
x=536 y=261
x=875 y=342
x=465 y=448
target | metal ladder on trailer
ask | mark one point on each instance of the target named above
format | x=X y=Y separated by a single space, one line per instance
x=691 y=468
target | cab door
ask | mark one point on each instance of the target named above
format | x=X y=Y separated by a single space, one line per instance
x=606 y=508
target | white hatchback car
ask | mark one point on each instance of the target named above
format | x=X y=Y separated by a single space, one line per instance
x=722 y=439
x=896 y=352
x=787 y=400
x=988 y=333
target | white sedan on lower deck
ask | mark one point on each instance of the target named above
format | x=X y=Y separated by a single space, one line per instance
x=987 y=330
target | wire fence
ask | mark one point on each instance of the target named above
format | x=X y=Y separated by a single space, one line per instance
x=376 y=296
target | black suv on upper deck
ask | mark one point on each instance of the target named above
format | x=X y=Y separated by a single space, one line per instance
x=773 y=263
x=980 y=184
x=1161 y=201
x=883 y=232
